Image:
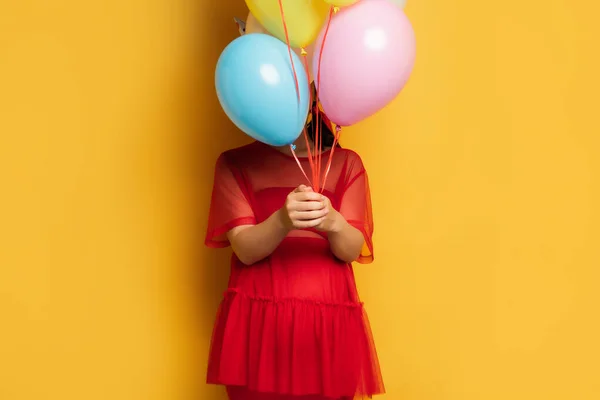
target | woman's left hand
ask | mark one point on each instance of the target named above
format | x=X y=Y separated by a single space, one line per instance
x=345 y=240
x=333 y=222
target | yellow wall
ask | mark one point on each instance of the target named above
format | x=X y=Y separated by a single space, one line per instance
x=485 y=178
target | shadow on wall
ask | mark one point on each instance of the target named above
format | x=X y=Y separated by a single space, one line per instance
x=208 y=133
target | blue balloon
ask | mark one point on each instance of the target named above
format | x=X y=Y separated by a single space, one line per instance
x=256 y=88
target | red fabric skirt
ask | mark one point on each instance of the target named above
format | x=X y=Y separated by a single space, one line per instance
x=241 y=393
x=294 y=328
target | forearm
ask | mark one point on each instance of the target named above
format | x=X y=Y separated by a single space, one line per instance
x=346 y=242
x=254 y=243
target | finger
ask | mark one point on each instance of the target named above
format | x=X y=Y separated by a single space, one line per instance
x=308 y=205
x=309 y=196
x=309 y=224
x=302 y=188
x=309 y=215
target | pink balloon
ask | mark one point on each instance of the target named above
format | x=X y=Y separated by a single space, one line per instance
x=367 y=58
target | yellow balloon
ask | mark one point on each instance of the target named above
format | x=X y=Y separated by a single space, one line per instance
x=303 y=18
x=341 y=3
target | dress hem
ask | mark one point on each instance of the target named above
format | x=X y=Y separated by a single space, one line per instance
x=293 y=346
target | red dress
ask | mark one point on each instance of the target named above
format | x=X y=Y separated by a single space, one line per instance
x=293 y=323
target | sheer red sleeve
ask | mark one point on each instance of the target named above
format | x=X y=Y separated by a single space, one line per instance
x=355 y=205
x=229 y=206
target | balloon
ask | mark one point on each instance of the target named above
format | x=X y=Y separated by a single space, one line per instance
x=341 y=3
x=256 y=88
x=253 y=26
x=303 y=18
x=367 y=59
x=399 y=3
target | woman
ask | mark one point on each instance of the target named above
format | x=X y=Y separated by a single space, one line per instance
x=291 y=325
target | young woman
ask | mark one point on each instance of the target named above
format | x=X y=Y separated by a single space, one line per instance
x=291 y=325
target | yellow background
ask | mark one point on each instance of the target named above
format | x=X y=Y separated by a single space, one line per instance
x=485 y=178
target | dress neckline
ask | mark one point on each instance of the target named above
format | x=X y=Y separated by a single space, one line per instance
x=324 y=153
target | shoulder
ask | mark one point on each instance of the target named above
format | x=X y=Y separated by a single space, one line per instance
x=240 y=156
x=352 y=160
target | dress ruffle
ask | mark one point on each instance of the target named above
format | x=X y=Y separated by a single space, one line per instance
x=293 y=346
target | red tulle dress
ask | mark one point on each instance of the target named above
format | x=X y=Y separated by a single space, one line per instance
x=291 y=326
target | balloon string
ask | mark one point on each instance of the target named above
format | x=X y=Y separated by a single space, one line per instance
x=318 y=141
x=293 y=148
x=297 y=84
x=287 y=41
x=323 y=47
x=336 y=138
x=310 y=157
x=304 y=131
x=318 y=136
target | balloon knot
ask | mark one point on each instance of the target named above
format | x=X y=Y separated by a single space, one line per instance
x=293 y=146
x=338 y=129
x=335 y=10
x=303 y=52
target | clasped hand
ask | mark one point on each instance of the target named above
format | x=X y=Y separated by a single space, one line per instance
x=305 y=208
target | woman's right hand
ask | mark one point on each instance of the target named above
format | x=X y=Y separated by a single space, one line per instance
x=304 y=209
